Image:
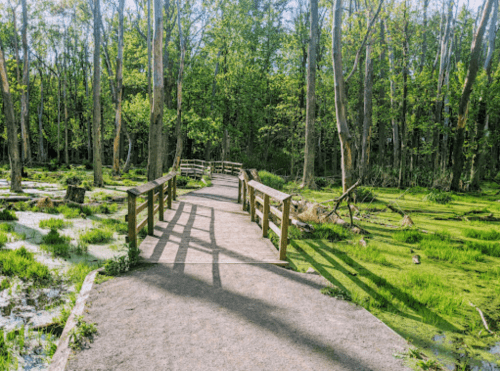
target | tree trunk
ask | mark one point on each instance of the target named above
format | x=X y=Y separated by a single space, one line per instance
x=382 y=140
x=178 y=124
x=41 y=156
x=308 y=176
x=395 y=127
x=150 y=92
x=26 y=151
x=346 y=141
x=96 y=119
x=367 y=108
x=119 y=92
x=8 y=108
x=87 y=114
x=156 y=120
x=402 y=169
x=463 y=106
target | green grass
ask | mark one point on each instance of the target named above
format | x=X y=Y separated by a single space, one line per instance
x=8 y=215
x=3 y=239
x=487 y=235
x=96 y=236
x=53 y=223
x=56 y=244
x=115 y=225
x=460 y=263
x=69 y=212
x=6 y=227
x=21 y=263
x=77 y=273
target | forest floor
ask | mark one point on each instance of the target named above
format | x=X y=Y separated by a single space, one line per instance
x=431 y=304
x=57 y=245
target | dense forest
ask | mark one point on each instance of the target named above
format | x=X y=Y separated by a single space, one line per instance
x=397 y=93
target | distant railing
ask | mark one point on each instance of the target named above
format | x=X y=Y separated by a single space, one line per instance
x=226 y=167
x=198 y=168
x=156 y=190
x=255 y=191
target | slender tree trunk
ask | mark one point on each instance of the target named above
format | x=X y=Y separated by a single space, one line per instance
x=367 y=109
x=382 y=98
x=65 y=102
x=395 y=127
x=41 y=156
x=119 y=92
x=178 y=125
x=463 y=106
x=309 y=150
x=156 y=120
x=96 y=119
x=483 y=118
x=346 y=141
x=87 y=113
x=150 y=92
x=402 y=169
x=8 y=109
x=26 y=157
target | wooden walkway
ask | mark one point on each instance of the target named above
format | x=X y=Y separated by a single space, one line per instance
x=207 y=226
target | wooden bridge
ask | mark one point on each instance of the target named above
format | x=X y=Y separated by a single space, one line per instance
x=208 y=225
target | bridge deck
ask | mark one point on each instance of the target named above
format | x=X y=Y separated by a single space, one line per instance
x=208 y=226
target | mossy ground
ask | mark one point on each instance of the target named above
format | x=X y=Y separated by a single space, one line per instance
x=434 y=297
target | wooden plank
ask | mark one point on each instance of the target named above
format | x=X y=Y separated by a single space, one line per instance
x=271 y=192
x=132 y=220
x=239 y=190
x=174 y=188
x=275 y=228
x=169 y=205
x=142 y=207
x=161 y=204
x=284 y=229
x=259 y=200
x=259 y=214
x=276 y=212
x=244 y=195
x=252 y=204
x=151 y=215
x=142 y=224
x=137 y=191
x=265 y=221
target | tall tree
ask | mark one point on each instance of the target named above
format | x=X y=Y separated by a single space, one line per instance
x=346 y=140
x=26 y=151
x=8 y=109
x=156 y=119
x=119 y=91
x=180 y=78
x=96 y=120
x=463 y=106
x=308 y=177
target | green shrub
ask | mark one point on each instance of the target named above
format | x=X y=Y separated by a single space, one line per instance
x=52 y=223
x=489 y=235
x=6 y=227
x=321 y=182
x=330 y=232
x=5 y=284
x=21 y=263
x=438 y=196
x=363 y=194
x=3 y=239
x=107 y=209
x=58 y=249
x=116 y=225
x=88 y=185
x=77 y=273
x=182 y=181
x=8 y=215
x=69 y=212
x=81 y=333
x=271 y=180
x=54 y=238
x=96 y=236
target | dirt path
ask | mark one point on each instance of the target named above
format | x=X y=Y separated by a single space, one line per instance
x=198 y=313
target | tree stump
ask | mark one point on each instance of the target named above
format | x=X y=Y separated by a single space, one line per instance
x=75 y=194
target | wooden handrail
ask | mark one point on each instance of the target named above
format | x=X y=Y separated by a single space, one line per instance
x=156 y=190
x=267 y=209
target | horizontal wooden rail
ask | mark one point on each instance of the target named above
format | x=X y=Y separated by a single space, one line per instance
x=164 y=190
x=251 y=187
x=199 y=167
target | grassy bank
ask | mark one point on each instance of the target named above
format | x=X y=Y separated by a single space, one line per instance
x=432 y=304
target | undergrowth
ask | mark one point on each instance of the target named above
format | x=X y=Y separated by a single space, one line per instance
x=21 y=263
x=96 y=236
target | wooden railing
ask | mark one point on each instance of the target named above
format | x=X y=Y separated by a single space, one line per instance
x=156 y=190
x=259 y=194
x=196 y=168
x=226 y=167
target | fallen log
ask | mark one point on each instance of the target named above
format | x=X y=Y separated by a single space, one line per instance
x=16 y=199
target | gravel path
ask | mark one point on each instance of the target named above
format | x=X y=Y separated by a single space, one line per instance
x=198 y=312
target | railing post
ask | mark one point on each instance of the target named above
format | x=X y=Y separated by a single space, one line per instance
x=151 y=216
x=252 y=204
x=265 y=220
x=232 y=169
x=161 y=207
x=169 y=201
x=239 y=190
x=284 y=229
x=244 y=195
x=132 y=220
x=175 y=188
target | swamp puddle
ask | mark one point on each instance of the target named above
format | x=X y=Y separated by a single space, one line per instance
x=27 y=312
x=471 y=365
